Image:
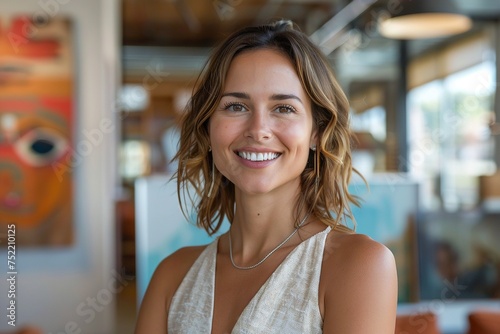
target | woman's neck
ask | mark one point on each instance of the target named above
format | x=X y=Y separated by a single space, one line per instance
x=261 y=222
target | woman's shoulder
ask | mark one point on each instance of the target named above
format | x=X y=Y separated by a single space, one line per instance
x=171 y=271
x=161 y=288
x=185 y=254
x=355 y=261
x=352 y=259
x=175 y=266
x=358 y=273
x=352 y=249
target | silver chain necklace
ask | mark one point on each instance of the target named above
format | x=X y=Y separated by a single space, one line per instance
x=269 y=254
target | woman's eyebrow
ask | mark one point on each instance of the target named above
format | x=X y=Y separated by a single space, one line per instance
x=280 y=97
x=239 y=95
x=275 y=97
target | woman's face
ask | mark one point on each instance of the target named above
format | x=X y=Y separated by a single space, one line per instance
x=262 y=129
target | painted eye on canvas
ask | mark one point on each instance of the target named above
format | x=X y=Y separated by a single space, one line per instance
x=41 y=147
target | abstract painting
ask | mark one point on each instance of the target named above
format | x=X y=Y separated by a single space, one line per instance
x=36 y=130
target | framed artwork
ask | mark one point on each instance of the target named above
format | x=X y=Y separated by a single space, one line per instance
x=36 y=130
x=459 y=255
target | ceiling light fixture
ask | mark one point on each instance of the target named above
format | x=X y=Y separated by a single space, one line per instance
x=418 y=19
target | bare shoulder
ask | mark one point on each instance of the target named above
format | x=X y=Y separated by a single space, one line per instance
x=358 y=281
x=166 y=279
x=181 y=260
x=350 y=249
x=171 y=271
x=355 y=258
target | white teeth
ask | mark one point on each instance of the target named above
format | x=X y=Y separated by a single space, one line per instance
x=252 y=156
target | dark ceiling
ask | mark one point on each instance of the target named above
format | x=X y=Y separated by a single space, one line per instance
x=175 y=36
x=202 y=23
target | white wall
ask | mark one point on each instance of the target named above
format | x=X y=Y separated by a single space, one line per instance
x=73 y=290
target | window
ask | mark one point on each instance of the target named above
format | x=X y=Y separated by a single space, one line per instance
x=371 y=120
x=449 y=138
x=369 y=128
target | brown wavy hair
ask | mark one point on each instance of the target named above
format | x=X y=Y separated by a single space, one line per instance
x=324 y=182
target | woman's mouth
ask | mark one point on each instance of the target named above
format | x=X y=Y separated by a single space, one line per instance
x=258 y=156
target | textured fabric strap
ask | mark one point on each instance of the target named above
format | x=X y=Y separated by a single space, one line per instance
x=191 y=308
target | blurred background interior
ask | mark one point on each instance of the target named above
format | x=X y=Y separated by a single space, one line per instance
x=91 y=93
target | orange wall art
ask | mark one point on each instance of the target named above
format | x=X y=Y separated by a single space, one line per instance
x=36 y=130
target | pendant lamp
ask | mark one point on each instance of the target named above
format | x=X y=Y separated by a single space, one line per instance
x=418 y=19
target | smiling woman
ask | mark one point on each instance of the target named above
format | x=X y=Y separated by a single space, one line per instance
x=265 y=143
x=265 y=118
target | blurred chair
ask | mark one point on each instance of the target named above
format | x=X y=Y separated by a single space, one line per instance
x=417 y=323
x=484 y=322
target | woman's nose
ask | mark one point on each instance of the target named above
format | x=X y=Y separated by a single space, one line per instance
x=259 y=126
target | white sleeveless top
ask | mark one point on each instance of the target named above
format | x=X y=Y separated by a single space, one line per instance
x=286 y=303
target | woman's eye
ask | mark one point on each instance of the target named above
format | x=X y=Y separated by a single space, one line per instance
x=41 y=146
x=285 y=109
x=235 y=107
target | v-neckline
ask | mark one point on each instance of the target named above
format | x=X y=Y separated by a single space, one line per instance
x=262 y=287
